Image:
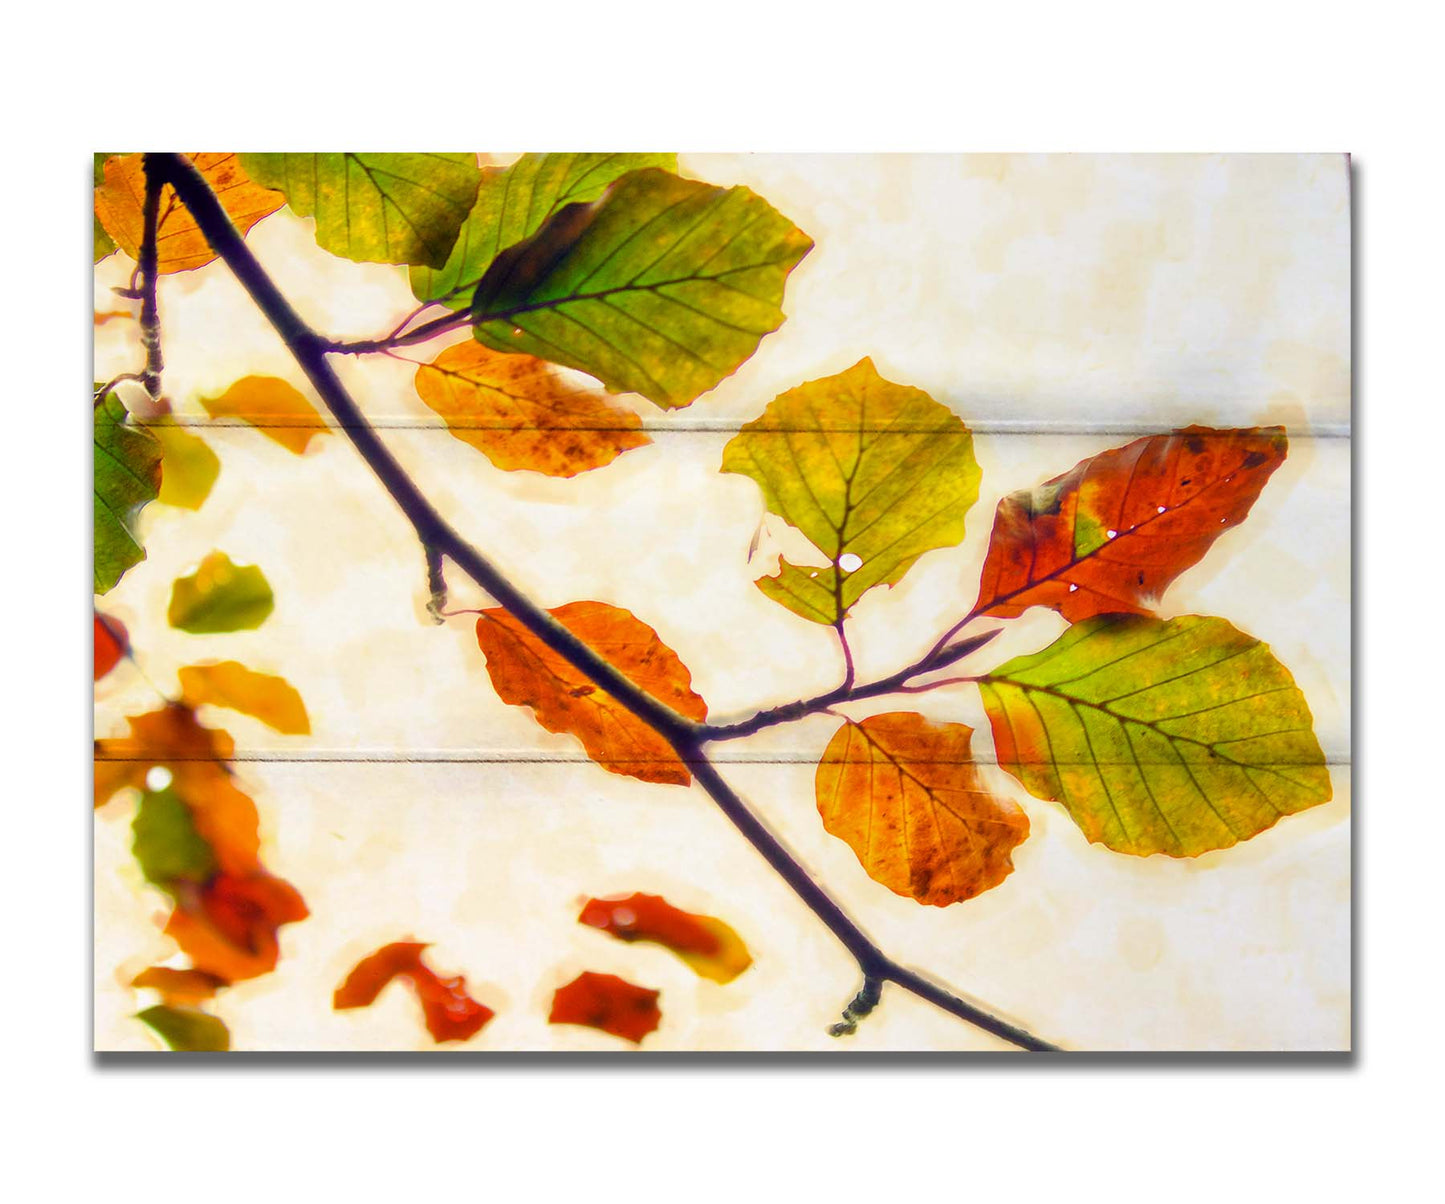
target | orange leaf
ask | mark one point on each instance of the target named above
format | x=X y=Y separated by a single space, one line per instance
x=451 y=1014
x=517 y=411
x=111 y=643
x=228 y=927
x=274 y=407
x=706 y=944
x=1114 y=531
x=180 y=245
x=179 y=986
x=272 y=700
x=609 y=1003
x=525 y=672
x=905 y=794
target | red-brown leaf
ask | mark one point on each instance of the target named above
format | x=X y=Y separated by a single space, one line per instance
x=705 y=943
x=111 y=643
x=451 y=1014
x=1114 y=531
x=609 y=1003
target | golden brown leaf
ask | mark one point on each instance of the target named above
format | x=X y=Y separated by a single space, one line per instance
x=180 y=245
x=451 y=1014
x=272 y=700
x=275 y=408
x=525 y=672
x=705 y=943
x=905 y=794
x=517 y=411
x=609 y=1003
x=178 y=986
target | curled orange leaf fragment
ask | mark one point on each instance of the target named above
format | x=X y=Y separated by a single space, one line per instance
x=705 y=943
x=1112 y=533
x=905 y=795
x=180 y=245
x=228 y=927
x=608 y=1003
x=273 y=700
x=525 y=672
x=451 y=1014
x=519 y=413
x=274 y=407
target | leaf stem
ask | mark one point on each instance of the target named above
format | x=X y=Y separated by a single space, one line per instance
x=438 y=538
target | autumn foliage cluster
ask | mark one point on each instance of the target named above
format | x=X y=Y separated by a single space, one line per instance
x=1176 y=736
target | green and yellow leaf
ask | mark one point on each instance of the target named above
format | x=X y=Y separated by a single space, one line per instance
x=512 y=204
x=273 y=700
x=906 y=796
x=662 y=286
x=127 y=476
x=519 y=413
x=1176 y=736
x=377 y=208
x=187 y=1030
x=274 y=407
x=220 y=596
x=873 y=473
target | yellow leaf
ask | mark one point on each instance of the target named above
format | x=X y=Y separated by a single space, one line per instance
x=905 y=794
x=273 y=407
x=272 y=700
x=189 y=466
x=517 y=412
x=180 y=245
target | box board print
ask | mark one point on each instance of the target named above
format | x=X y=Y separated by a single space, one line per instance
x=641 y=602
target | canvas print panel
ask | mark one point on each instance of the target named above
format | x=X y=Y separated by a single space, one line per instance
x=652 y=602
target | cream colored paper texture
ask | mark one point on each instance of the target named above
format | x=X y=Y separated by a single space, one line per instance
x=1060 y=305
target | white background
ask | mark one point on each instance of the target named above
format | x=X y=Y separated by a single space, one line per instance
x=1100 y=77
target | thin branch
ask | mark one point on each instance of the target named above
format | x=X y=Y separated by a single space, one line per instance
x=421 y=334
x=310 y=351
x=146 y=264
x=848 y=672
x=790 y=712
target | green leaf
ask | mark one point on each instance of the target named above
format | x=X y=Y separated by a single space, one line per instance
x=220 y=596
x=661 y=286
x=1176 y=736
x=127 y=476
x=166 y=845
x=866 y=469
x=512 y=204
x=188 y=1030
x=376 y=208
